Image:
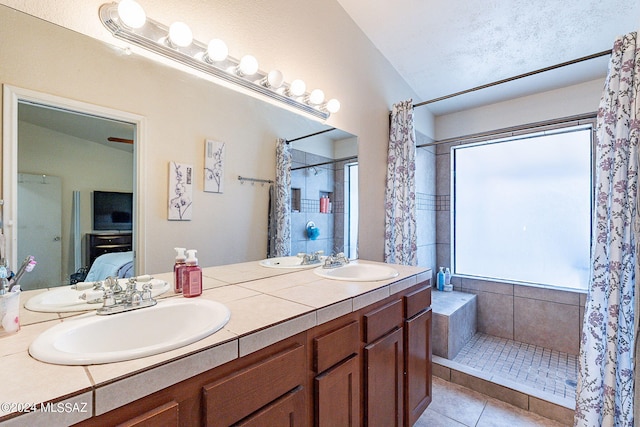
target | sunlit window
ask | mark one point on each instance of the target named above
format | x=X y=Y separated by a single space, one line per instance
x=522 y=208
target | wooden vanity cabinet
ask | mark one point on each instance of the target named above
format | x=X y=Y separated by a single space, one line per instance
x=384 y=366
x=336 y=362
x=417 y=353
x=371 y=367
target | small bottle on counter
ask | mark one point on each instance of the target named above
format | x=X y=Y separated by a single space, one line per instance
x=440 y=279
x=191 y=276
x=447 y=276
x=180 y=261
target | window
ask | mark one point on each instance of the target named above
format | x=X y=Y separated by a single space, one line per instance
x=522 y=208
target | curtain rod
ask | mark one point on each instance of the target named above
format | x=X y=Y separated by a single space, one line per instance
x=530 y=73
x=308 y=136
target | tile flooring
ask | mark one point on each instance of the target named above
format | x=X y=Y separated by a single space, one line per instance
x=546 y=370
x=457 y=406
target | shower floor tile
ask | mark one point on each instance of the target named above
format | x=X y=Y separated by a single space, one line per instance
x=546 y=370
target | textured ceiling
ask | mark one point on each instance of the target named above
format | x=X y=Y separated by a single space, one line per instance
x=443 y=47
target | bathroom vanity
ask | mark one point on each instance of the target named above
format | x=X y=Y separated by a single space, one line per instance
x=299 y=350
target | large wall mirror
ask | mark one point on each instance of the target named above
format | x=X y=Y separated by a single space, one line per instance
x=112 y=95
x=324 y=193
x=64 y=162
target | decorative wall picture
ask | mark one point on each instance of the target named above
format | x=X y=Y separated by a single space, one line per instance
x=213 y=166
x=180 y=191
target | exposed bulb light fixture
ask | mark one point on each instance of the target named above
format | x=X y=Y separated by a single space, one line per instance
x=180 y=35
x=248 y=66
x=297 y=88
x=131 y=14
x=127 y=21
x=316 y=97
x=273 y=80
x=333 y=105
x=217 y=51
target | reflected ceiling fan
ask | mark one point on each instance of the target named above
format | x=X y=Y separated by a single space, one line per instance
x=122 y=140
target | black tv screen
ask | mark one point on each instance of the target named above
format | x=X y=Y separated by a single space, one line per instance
x=112 y=210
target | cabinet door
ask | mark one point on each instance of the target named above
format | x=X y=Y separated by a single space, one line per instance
x=418 y=365
x=337 y=395
x=384 y=363
x=288 y=411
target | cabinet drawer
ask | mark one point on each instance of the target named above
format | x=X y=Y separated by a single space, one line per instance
x=335 y=346
x=417 y=301
x=382 y=320
x=236 y=396
x=165 y=415
x=111 y=239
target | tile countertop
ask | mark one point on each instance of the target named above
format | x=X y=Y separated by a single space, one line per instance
x=267 y=305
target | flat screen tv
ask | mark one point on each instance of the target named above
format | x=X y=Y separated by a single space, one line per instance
x=112 y=210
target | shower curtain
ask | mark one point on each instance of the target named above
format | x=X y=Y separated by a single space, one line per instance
x=605 y=393
x=400 y=206
x=280 y=227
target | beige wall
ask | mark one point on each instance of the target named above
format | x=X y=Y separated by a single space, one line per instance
x=317 y=42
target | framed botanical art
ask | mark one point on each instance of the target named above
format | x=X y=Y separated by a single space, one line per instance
x=213 y=166
x=180 y=191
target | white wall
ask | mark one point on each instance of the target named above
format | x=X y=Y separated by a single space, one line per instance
x=564 y=102
x=182 y=110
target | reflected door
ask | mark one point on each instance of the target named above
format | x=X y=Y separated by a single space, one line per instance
x=40 y=229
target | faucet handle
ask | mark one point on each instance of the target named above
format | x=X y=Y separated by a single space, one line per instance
x=109 y=298
x=146 y=292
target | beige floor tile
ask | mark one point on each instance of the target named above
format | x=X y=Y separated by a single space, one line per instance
x=456 y=402
x=431 y=418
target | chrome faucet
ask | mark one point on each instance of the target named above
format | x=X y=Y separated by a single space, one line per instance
x=118 y=300
x=337 y=260
x=313 y=258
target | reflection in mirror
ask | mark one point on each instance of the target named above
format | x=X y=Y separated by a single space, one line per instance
x=324 y=193
x=64 y=158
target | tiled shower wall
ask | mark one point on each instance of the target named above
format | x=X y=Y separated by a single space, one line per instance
x=426 y=203
x=545 y=317
x=313 y=182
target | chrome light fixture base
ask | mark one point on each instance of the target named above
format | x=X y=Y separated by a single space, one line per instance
x=152 y=35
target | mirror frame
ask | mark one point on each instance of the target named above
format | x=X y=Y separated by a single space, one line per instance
x=11 y=96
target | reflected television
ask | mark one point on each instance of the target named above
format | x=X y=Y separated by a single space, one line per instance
x=112 y=211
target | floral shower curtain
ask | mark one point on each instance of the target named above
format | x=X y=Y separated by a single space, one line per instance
x=281 y=212
x=605 y=394
x=400 y=206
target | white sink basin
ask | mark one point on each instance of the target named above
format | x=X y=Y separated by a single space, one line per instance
x=358 y=272
x=92 y=339
x=65 y=299
x=286 y=262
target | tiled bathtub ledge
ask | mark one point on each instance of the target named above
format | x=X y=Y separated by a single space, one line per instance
x=519 y=395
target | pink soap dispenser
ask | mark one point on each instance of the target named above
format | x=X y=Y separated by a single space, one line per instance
x=177 y=277
x=191 y=276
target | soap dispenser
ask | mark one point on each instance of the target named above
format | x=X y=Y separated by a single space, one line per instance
x=191 y=275
x=180 y=261
x=447 y=277
x=440 y=280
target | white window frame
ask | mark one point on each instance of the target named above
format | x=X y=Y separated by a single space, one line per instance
x=513 y=134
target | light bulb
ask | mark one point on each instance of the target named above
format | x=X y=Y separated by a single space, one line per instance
x=248 y=66
x=333 y=105
x=131 y=14
x=316 y=97
x=297 y=88
x=217 y=51
x=180 y=34
x=274 y=79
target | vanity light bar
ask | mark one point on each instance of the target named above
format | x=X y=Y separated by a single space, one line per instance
x=153 y=36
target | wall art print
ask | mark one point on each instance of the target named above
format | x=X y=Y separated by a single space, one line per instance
x=180 y=191
x=213 y=166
